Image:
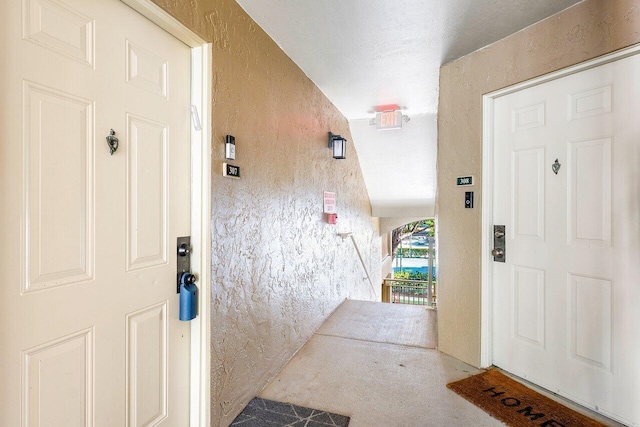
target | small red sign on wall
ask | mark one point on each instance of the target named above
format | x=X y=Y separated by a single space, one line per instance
x=329 y=202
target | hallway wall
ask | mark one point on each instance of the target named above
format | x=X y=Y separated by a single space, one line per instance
x=278 y=269
x=587 y=30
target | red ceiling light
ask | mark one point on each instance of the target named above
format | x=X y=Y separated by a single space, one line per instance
x=388 y=107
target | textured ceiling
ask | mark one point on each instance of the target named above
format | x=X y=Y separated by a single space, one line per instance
x=363 y=54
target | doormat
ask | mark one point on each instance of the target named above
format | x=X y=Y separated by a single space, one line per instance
x=515 y=404
x=267 y=413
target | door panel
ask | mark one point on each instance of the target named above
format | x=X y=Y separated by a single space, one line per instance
x=528 y=194
x=58 y=177
x=146 y=70
x=590 y=192
x=567 y=295
x=147 y=192
x=147 y=365
x=590 y=320
x=528 y=304
x=64 y=366
x=60 y=28
x=88 y=301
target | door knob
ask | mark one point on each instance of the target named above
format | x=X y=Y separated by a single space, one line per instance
x=188 y=278
x=499 y=243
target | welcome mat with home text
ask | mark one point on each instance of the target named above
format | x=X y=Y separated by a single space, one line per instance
x=515 y=404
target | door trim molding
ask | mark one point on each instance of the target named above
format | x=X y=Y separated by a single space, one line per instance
x=201 y=97
x=164 y=20
x=488 y=100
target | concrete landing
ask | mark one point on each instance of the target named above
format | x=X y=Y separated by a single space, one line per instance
x=410 y=325
x=375 y=362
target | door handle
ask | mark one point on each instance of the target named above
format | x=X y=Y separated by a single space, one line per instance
x=499 y=243
x=183 y=261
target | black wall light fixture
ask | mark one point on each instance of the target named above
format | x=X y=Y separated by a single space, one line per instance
x=339 y=146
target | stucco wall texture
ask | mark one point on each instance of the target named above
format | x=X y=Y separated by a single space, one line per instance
x=278 y=270
x=587 y=30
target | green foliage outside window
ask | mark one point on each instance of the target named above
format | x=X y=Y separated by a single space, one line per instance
x=410 y=275
x=413 y=252
x=410 y=229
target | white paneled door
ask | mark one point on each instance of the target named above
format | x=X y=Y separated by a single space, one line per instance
x=566 y=303
x=89 y=331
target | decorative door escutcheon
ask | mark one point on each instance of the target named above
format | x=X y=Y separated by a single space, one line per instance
x=556 y=166
x=112 y=141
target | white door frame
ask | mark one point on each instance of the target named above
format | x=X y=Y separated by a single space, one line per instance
x=486 y=325
x=201 y=96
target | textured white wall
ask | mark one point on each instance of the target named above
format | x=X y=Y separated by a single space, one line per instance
x=278 y=269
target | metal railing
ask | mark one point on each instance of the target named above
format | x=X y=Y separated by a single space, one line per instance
x=416 y=292
x=364 y=266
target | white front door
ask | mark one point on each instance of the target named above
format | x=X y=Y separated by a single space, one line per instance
x=90 y=334
x=566 y=303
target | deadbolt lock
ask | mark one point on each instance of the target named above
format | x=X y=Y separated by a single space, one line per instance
x=183 y=263
x=499 y=243
x=184 y=249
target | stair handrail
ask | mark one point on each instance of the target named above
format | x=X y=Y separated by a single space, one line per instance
x=344 y=235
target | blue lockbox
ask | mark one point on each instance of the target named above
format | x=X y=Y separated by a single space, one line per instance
x=188 y=301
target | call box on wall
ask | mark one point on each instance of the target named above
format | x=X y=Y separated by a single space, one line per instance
x=468 y=199
x=230 y=147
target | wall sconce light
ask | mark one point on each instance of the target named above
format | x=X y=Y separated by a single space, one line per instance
x=339 y=145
